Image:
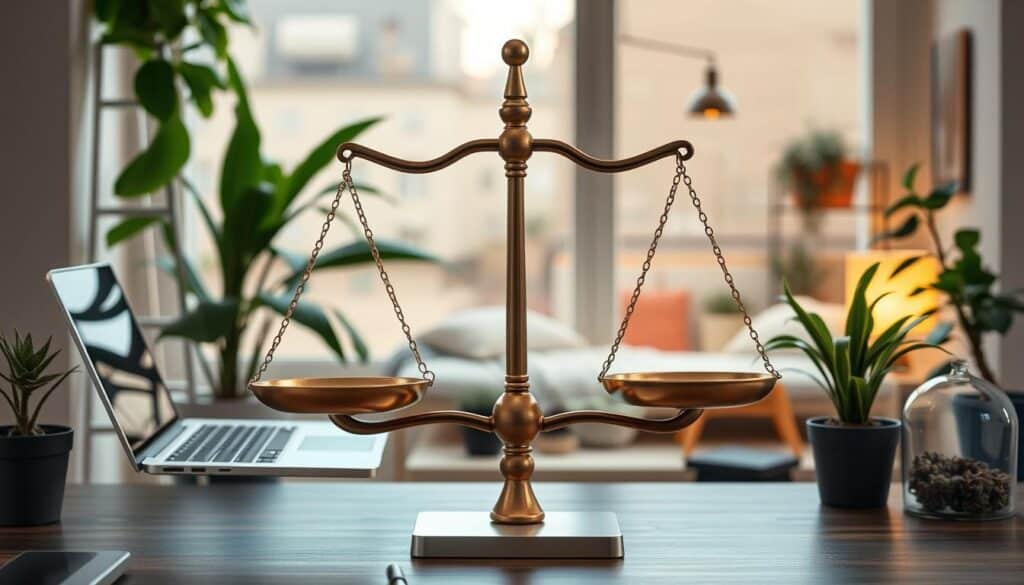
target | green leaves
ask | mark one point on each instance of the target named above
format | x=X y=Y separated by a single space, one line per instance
x=907 y=228
x=158 y=164
x=310 y=315
x=154 y=86
x=853 y=366
x=318 y=158
x=207 y=322
x=358 y=252
x=148 y=27
x=201 y=81
x=26 y=374
x=243 y=167
x=909 y=176
x=128 y=228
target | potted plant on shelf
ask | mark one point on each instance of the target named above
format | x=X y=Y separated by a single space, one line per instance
x=33 y=456
x=964 y=281
x=477 y=442
x=258 y=200
x=818 y=172
x=854 y=451
x=719 y=321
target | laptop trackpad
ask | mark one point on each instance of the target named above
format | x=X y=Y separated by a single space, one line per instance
x=336 y=443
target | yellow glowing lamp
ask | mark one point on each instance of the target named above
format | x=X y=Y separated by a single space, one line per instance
x=899 y=303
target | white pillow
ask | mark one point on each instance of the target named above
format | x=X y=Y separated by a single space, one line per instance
x=780 y=319
x=480 y=333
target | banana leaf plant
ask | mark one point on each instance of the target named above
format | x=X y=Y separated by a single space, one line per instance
x=850 y=368
x=150 y=28
x=963 y=280
x=257 y=200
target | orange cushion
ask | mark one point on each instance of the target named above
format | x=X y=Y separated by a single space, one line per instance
x=661 y=320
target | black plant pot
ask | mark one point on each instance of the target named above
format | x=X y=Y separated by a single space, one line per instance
x=987 y=444
x=854 y=463
x=32 y=475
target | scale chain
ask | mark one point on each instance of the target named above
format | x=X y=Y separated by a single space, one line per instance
x=682 y=176
x=346 y=182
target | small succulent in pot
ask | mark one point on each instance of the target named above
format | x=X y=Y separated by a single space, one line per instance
x=853 y=451
x=26 y=374
x=33 y=456
x=480 y=401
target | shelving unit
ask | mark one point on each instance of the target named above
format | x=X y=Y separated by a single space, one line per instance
x=876 y=173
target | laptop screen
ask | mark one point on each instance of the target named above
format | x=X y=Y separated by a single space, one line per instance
x=112 y=341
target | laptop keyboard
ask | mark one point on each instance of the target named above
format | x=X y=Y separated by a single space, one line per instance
x=233 y=444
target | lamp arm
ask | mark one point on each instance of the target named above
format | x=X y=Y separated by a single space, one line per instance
x=681 y=420
x=360 y=427
x=669 y=47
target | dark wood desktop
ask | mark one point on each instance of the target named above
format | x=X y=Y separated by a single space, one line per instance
x=674 y=533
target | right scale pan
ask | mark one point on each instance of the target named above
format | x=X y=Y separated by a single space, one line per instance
x=690 y=389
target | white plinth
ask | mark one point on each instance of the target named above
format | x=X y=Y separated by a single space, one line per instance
x=472 y=535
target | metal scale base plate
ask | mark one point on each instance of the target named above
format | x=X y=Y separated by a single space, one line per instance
x=472 y=535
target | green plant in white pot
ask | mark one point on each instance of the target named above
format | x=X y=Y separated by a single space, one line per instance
x=33 y=456
x=854 y=451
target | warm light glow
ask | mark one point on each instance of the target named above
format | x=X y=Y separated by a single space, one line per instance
x=899 y=303
x=712 y=113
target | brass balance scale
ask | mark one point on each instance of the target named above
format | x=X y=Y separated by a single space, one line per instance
x=517 y=525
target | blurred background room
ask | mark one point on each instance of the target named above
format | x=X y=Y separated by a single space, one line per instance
x=804 y=116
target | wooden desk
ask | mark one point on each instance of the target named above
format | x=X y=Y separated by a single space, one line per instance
x=674 y=533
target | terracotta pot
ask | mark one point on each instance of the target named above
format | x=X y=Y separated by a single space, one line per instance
x=834 y=186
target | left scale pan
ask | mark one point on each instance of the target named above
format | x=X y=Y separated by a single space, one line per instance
x=351 y=395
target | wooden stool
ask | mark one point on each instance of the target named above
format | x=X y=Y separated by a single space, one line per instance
x=776 y=406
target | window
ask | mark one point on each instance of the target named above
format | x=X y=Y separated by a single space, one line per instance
x=791 y=66
x=433 y=69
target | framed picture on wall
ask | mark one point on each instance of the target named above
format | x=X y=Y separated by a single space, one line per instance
x=951 y=110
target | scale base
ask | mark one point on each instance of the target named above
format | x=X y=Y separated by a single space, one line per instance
x=472 y=535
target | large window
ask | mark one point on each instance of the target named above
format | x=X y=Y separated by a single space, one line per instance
x=433 y=70
x=792 y=66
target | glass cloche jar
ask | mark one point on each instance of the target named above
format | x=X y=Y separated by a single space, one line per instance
x=959 y=449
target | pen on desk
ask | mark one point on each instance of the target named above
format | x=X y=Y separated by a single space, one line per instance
x=395 y=575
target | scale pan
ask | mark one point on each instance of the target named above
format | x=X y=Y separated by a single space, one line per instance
x=690 y=389
x=339 y=395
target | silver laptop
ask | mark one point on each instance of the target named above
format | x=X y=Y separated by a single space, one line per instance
x=139 y=403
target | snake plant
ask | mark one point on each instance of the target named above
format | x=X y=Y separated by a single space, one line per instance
x=850 y=368
x=26 y=375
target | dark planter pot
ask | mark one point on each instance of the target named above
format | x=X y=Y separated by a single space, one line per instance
x=479 y=442
x=854 y=463
x=986 y=446
x=32 y=475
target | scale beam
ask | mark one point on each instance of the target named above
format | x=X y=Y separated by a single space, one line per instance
x=680 y=147
x=680 y=421
x=351 y=150
x=466 y=419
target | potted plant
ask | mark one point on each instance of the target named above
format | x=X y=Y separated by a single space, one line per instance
x=33 y=456
x=258 y=200
x=853 y=451
x=964 y=281
x=719 y=321
x=478 y=442
x=817 y=171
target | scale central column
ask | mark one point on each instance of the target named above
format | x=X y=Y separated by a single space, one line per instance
x=517 y=416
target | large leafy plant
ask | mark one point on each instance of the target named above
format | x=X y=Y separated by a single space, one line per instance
x=851 y=367
x=154 y=30
x=967 y=285
x=26 y=375
x=257 y=200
